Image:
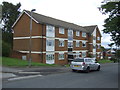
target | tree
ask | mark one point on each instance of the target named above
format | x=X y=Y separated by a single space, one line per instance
x=112 y=23
x=10 y=13
x=111 y=45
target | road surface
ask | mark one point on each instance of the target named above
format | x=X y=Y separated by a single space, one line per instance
x=106 y=78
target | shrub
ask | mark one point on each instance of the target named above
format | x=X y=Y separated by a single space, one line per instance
x=113 y=59
x=5 y=49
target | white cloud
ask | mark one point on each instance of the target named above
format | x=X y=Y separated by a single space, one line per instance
x=82 y=12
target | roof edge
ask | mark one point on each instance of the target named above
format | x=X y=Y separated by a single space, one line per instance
x=24 y=11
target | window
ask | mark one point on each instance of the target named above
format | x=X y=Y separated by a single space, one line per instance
x=83 y=44
x=98 y=55
x=50 y=42
x=87 y=60
x=50 y=57
x=94 y=55
x=83 y=54
x=50 y=28
x=77 y=43
x=61 y=30
x=83 y=34
x=77 y=33
x=98 y=38
x=61 y=43
x=77 y=55
x=78 y=60
x=94 y=38
x=70 y=34
x=61 y=56
x=98 y=46
x=70 y=44
x=94 y=46
x=50 y=31
x=24 y=58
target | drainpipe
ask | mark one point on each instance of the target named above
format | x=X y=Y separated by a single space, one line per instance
x=42 y=43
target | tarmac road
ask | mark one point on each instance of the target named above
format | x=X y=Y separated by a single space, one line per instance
x=106 y=78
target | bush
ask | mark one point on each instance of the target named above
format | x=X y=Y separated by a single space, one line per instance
x=6 y=48
x=114 y=60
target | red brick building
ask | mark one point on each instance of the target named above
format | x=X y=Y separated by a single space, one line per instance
x=54 y=41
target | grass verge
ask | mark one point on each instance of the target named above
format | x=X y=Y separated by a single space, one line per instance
x=105 y=61
x=6 y=61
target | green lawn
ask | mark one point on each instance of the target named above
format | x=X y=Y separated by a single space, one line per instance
x=6 y=61
x=105 y=61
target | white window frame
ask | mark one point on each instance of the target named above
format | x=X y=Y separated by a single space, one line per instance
x=94 y=38
x=77 y=33
x=61 y=43
x=48 y=41
x=50 y=31
x=94 y=46
x=98 y=38
x=83 y=43
x=98 y=46
x=61 y=56
x=83 y=54
x=61 y=30
x=24 y=57
x=50 y=57
x=71 y=44
x=83 y=34
x=77 y=43
x=70 y=34
x=77 y=55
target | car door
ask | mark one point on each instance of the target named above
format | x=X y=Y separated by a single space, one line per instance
x=92 y=64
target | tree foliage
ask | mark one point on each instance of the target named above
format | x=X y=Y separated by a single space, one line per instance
x=112 y=23
x=10 y=13
x=5 y=49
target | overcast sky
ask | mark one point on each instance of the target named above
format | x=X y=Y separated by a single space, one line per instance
x=81 y=12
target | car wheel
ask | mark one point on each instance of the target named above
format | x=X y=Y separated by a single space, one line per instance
x=87 y=70
x=73 y=70
x=98 y=69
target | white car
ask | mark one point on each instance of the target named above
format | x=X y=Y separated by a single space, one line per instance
x=84 y=64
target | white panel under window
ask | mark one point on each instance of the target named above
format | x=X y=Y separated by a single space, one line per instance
x=83 y=44
x=61 y=43
x=50 y=44
x=61 y=30
x=61 y=56
x=77 y=33
x=83 y=34
x=24 y=58
x=77 y=43
x=50 y=31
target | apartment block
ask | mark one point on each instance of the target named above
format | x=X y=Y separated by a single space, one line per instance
x=53 y=41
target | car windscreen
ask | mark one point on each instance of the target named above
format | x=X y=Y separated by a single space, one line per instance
x=78 y=60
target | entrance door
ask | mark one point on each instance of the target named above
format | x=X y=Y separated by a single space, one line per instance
x=50 y=59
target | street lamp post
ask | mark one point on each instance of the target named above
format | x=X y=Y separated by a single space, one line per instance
x=30 y=43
